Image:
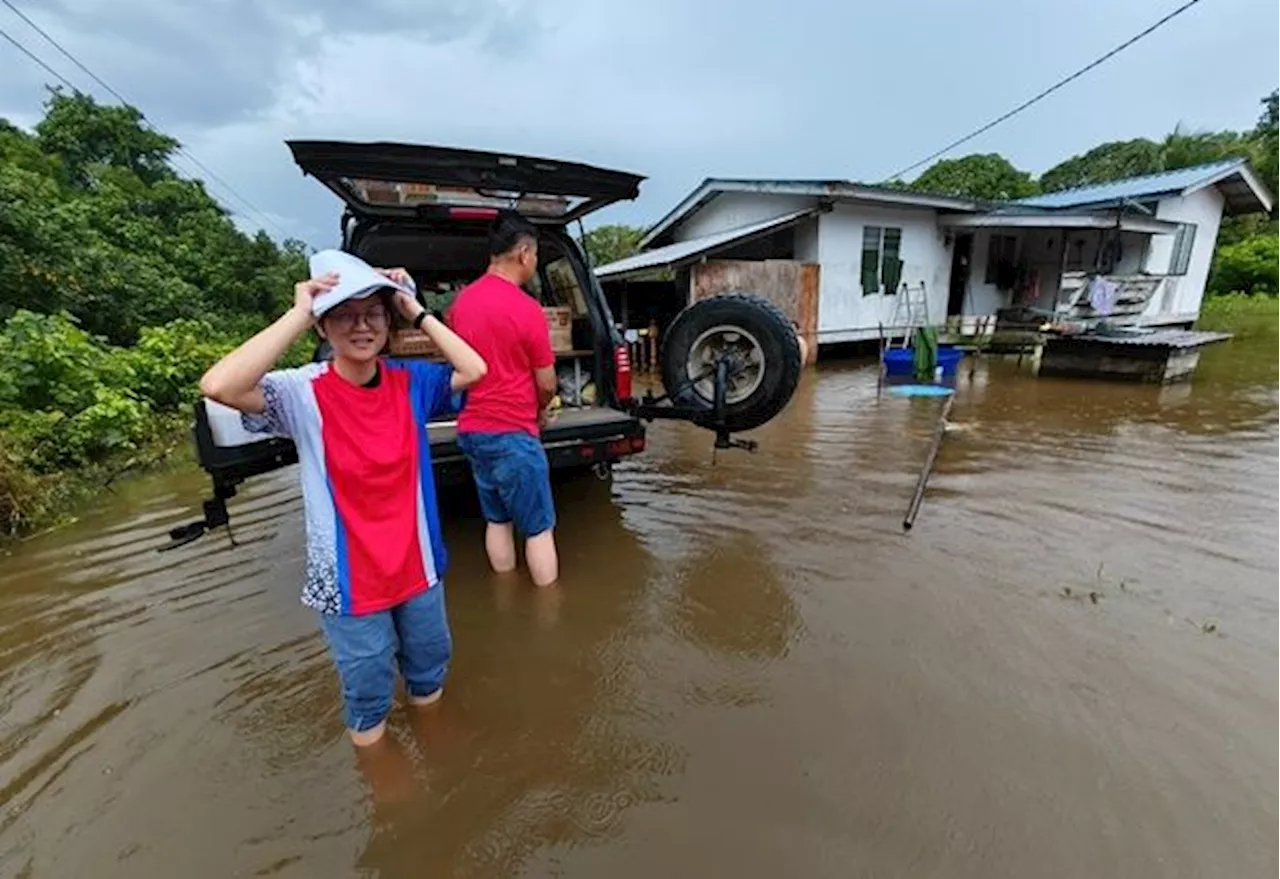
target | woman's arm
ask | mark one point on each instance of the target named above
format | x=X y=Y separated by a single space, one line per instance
x=235 y=379
x=468 y=366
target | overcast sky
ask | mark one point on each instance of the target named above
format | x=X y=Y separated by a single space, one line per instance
x=674 y=89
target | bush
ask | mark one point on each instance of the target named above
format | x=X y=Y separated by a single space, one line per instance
x=68 y=399
x=169 y=360
x=23 y=499
x=48 y=362
x=1250 y=265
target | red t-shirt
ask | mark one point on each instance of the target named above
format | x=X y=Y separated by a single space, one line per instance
x=507 y=328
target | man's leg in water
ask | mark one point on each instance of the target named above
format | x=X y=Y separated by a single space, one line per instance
x=513 y=482
x=426 y=645
x=533 y=508
x=483 y=451
x=500 y=546
x=363 y=648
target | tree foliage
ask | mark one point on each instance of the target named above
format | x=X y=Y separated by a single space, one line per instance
x=120 y=283
x=1109 y=161
x=985 y=176
x=1248 y=266
x=97 y=224
x=606 y=244
x=1245 y=260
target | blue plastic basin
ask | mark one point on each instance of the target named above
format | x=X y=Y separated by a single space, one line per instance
x=901 y=361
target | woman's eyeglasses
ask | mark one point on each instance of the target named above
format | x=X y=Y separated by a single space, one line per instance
x=374 y=318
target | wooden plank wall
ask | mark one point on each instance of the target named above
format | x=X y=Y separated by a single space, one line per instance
x=792 y=286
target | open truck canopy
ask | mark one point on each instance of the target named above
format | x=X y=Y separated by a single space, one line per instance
x=396 y=180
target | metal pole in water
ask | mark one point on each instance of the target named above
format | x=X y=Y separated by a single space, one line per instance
x=917 y=497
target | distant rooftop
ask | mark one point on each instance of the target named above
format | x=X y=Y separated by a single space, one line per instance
x=826 y=190
x=1243 y=190
x=1234 y=178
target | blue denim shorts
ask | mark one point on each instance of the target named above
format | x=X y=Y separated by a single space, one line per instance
x=512 y=478
x=367 y=650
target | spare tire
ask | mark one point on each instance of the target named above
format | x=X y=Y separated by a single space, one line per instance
x=760 y=342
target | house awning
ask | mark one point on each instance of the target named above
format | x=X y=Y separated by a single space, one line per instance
x=684 y=252
x=1143 y=225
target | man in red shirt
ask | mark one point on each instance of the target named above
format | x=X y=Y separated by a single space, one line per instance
x=499 y=429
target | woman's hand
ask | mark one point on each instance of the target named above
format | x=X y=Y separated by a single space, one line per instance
x=235 y=379
x=407 y=305
x=305 y=292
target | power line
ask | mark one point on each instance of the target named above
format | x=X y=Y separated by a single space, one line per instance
x=1044 y=94
x=54 y=73
x=37 y=59
x=185 y=153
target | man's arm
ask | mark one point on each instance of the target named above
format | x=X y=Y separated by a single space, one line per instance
x=236 y=380
x=548 y=384
x=537 y=342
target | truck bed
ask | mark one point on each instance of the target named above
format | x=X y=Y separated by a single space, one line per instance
x=576 y=438
x=597 y=421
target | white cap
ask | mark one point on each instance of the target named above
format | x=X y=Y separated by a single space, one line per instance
x=356 y=280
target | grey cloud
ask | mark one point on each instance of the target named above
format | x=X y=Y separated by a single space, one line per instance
x=199 y=63
x=674 y=89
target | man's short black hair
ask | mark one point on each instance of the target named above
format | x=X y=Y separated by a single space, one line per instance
x=509 y=229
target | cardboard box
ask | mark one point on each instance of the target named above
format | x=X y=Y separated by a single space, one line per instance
x=412 y=343
x=560 y=325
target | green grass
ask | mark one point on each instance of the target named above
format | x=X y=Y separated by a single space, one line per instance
x=1244 y=314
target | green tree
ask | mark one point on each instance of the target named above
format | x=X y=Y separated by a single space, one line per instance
x=1109 y=161
x=984 y=176
x=96 y=223
x=85 y=133
x=606 y=244
x=1248 y=266
x=1265 y=133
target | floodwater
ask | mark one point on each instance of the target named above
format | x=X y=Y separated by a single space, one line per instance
x=1069 y=667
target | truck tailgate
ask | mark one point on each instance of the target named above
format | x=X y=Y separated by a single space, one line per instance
x=571 y=427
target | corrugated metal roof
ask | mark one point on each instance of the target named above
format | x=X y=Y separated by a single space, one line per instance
x=1058 y=220
x=1133 y=188
x=687 y=251
x=821 y=190
x=1147 y=338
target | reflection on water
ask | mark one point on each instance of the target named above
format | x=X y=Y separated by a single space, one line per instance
x=1068 y=668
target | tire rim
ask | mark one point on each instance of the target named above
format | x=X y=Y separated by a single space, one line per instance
x=736 y=343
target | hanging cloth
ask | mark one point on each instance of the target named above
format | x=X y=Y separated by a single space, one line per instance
x=1103 y=295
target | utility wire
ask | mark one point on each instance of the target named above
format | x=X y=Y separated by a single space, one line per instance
x=52 y=72
x=262 y=215
x=1044 y=94
x=38 y=60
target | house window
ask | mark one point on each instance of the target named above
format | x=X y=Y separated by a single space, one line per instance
x=1002 y=251
x=1075 y=255
x=881 y=263
x=1183 y=242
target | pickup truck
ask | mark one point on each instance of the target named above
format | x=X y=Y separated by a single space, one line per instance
x=729 y=363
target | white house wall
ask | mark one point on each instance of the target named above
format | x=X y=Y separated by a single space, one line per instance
x=807 y=240
x=1204 y=208
x=844 y=313
x=732 y=210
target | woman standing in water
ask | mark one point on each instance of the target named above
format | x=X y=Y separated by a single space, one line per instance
x=375 y=556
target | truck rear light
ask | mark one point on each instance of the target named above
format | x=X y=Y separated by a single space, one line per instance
x=472 y=213
x=626 y=446
x=622 y=371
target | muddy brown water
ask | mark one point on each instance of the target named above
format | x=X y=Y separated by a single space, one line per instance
x=1068 y=669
